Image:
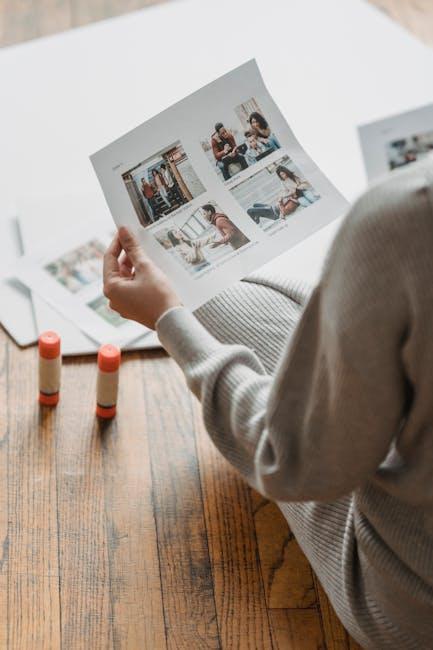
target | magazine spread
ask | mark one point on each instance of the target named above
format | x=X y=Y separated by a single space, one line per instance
x=216 y=186
x=396 y=141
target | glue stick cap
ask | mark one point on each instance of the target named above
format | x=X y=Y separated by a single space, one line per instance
x=49 y=345
x=108 y=358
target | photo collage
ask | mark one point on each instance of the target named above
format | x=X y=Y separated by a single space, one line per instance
x=80 y=268
x=404 y=151
x=171 y=200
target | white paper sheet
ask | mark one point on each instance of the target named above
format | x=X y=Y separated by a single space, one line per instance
x=65 y=269
x=216 y=185
x=54 y=216
x=397 y=141
x=16 y=311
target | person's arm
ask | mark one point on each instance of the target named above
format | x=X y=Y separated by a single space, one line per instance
x=219 y=154
x=324 y=423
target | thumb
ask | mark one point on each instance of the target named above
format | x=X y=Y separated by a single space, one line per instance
x=130 y=245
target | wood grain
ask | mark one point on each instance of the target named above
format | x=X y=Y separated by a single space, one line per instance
x=4 y=479
x=297 y=629
x=185 y=567
x=239 y=593
x=286 y=573
x=136 y=598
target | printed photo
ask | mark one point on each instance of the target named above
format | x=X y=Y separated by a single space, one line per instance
x=202 y=238
x=79 y=267
x=238 y=139
x=159 y=185
x=100 y=306
x=408 y=150
x=274 y=193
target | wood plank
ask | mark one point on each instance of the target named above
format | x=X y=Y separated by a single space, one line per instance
x=33 y=568
x=84 y=12
x=286 y=572
x=84 y=578
x=415 y=15
x=186 y=576
x=4 y=512
x=26 y=19
x=297 y=629
x=335 y=635
x=138 y=618
x=239 y=593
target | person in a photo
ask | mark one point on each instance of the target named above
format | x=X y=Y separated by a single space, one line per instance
x=148 y=195
x=166 y=176
x=262 y=130
x=190 y=250
x=225 y=150
x=230 y=233
x=263 y=211
x=294 y=187
x=161 y=187
x=170 y=182
x=256 y=147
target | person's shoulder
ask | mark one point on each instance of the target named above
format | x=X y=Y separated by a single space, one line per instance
x=399 y=204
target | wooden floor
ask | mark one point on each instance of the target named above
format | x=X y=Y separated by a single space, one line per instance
x=138 y=535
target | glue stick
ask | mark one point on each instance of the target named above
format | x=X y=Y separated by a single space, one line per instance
x=108 y=381
x=50 y=364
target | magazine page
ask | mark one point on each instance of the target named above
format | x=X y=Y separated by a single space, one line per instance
x=68 y=275
x=396 y=141
x=216 y=186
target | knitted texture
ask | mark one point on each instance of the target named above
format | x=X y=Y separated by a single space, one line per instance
x=325 y=405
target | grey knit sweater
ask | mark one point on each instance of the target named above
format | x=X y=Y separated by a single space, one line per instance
x=341 y=433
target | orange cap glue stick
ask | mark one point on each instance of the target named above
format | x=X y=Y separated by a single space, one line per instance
x=50 y=365
x=108 y=381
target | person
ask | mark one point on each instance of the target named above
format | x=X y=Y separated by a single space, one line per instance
x=230 y=233
x=294 y=188
x=148 y=195
x=256 y=147
x=225 y=150
x=336 y=425
x=160 y=187
x=263 y=211
x=170 y=183
x=190 y=250
x=262 y=130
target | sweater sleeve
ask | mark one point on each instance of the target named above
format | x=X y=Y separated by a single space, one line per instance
x=322 y=425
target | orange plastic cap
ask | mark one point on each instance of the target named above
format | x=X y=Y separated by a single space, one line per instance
x=105 y=412
x=48 y=400
x=49 y=345
x=108 y=358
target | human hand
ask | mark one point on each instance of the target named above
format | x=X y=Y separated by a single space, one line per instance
x=136 y=288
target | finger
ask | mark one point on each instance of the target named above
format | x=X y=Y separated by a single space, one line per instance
x=111 y=259
x=126 y=266
x=130 y=245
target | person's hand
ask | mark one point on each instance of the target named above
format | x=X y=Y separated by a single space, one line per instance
x=136 y=288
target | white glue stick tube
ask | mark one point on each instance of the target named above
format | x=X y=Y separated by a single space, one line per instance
x=108 y=381
x=50 y=366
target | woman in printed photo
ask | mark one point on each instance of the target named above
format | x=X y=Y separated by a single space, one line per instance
x=160 y=187
x=262 y=130
x=191 y=250
x=294 y=187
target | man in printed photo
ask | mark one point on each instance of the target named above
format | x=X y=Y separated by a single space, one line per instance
x=225 y=150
